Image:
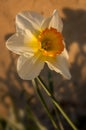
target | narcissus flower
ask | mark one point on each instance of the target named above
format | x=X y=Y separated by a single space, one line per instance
x=39 y=40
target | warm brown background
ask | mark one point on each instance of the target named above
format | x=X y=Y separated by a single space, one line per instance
x=72 y=93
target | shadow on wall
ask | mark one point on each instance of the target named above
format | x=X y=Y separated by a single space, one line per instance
x=74 y=32
x=13 y=83
x=74 y=26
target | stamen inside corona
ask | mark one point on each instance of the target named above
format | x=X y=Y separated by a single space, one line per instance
x=51 y=42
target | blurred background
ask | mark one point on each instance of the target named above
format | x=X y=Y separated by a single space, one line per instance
x=15 y=92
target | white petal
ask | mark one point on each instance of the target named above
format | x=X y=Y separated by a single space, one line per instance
x=16 y=44
x=28 y=20
x=36 y=17
x=65 y=54
x=45 y=23
x=29 y=68
x=60 y=65
x=56 y=21
x=53 y=21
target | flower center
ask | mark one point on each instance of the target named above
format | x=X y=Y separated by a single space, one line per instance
x=51 y=42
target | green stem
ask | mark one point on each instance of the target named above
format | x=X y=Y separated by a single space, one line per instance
x=51 y=88
x=58 y=118
x=44 y=104
x=57 y=104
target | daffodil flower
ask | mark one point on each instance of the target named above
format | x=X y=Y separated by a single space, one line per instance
x=39 y=40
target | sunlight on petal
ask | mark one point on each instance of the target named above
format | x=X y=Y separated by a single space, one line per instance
x=29 y=68
x=28 y=20
x=45 y=23
x=56 y=21
x=65 y=54
x=16 y=44
x=60 y=65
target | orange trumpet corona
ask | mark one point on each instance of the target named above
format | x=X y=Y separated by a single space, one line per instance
x=51 y=42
